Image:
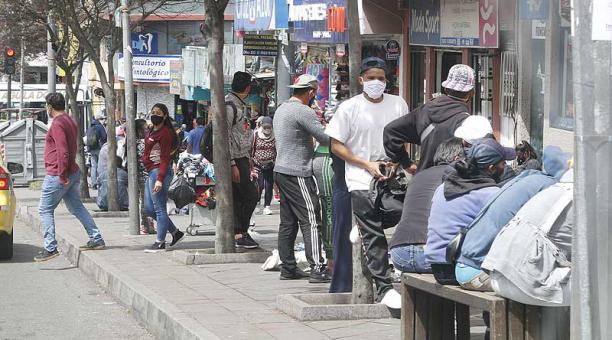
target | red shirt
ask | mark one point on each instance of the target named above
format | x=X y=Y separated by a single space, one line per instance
x=158 y=150
x=61 y=148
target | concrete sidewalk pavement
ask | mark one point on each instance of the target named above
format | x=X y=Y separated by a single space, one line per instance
x=215 y=301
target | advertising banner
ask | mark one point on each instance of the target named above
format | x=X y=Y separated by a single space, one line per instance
x=149 y=69
x=310 y=21
x=454 y=23
x=176 y=75
x=261 y=15
x=196 y=64
x=260 y=45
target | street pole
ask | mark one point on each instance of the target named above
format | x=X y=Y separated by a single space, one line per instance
x=591 y=312
x=130 y=115
x=9 y=95
x=22 y=77
x=50 y=56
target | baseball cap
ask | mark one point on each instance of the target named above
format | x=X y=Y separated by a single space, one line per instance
x=460 y=78
x=474 y=127
x=305 y=81
x=487 y=151
x=372 y=62
x=266 y=121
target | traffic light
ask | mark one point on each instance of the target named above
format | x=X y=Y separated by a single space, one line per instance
x=10 y=56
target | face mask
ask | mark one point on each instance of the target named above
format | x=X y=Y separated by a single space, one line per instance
x=157 y=120
x=311 y=102
x=374 y=88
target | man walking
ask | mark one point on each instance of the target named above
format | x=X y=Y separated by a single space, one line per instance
x=295 y=125
x=96 y=137
x=245 y=192
x=194 y=137
x=357 y=137
x=62 y=180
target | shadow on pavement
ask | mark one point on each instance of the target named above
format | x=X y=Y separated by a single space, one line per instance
x=23 y=253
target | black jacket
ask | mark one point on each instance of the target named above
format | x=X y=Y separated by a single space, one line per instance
x=445 y=112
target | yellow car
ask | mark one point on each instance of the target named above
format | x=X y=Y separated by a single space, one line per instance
x=8 y=207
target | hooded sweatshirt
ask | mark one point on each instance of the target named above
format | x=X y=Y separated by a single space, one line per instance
x=444 y=112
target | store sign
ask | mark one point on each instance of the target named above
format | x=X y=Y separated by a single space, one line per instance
x=176 y=75
x=149 y=69
x=602 y=20
x=144 y=43
x=393 y=50
x=533 y=9
x=196 y=65
x=260 y=45
x=260 y=15
x=312 y=22
x=538 y=29
x=454 y=23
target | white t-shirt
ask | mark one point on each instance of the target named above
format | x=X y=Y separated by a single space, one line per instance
x=359 y=124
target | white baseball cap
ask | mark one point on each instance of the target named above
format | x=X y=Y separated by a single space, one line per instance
x=305 y=81
x=474 y=127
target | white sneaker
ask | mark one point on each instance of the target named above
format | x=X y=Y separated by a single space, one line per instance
x=267 y=211
x=392 y=299
x=354 y=235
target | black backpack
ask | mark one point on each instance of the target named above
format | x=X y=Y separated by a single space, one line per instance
x=206 y=142
x=92 y=138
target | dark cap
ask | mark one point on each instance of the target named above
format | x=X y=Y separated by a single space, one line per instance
x=266 y=121
x=372 y=62
x=487 y=151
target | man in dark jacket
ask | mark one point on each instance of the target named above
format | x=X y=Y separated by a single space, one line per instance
x=432 y=123
x=94 y=146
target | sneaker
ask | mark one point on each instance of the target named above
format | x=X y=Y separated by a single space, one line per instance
x=319 y=277
x=91 y=245
x=246 y=242
x=393 y=300
x=296 y=274
x=156 y=247
x=177 y=237
x=267 y=211
x=46 y=255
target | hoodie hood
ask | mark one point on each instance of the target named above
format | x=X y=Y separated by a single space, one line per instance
x=444 y=107
x=555 y=161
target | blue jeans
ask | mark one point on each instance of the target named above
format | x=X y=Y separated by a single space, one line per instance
x=52 y=193
x=410 y=258
x=342 y=218
x=95 y=155
x=155 y=204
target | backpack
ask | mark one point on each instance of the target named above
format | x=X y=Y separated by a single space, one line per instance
x=388 y=196
x=92 y=138
x=206 y=142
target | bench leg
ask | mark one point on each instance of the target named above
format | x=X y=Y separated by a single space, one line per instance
x=463 y=321
x=516 y=321
x=421 y=315
x=533 y=320
x=448 y=320
x=434 y=328
x=498 y=321
x=408 y=304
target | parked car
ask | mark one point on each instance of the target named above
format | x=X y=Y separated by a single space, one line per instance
x=8 y=207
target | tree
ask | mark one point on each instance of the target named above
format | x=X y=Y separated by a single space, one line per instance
x=213 y=31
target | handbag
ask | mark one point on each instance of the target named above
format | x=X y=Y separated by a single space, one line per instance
x=388 y=196
x=181 y=192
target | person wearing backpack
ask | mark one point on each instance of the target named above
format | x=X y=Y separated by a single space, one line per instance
x=96 y=137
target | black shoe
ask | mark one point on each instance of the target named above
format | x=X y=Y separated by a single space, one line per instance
x=321 y=276
x=176 y=237
x=296 y=274
x=156 y=247
x=91 y=245
x=246 y=242
x=46 y=255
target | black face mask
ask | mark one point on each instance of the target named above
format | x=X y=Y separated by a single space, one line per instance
x=156 y=120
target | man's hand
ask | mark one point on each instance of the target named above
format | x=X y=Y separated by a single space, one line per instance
x=158 y=186
x=374 y=170
x=235 y=174
x=64 y=181
x=412 y=169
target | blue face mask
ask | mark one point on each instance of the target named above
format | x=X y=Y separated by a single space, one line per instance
x=311 y=102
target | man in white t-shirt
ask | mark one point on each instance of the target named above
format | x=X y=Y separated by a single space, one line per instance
x=357 y=137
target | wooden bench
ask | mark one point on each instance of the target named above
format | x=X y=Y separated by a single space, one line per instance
x=431 y=311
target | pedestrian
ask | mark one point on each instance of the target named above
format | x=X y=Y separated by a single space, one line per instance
x=357 y=137
x=264 y=155
x=433 y=122
x=161 y=145
x=96 y=137
x=526 y=157
x=194 y=137
x=146 y=226
x=244 y=188
x=296 y=125
x=62 y=180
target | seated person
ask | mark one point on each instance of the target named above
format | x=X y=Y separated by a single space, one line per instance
x=498 y=212
x=406 y=246
x=527 y=158
x=460 y=198
x=122 y=182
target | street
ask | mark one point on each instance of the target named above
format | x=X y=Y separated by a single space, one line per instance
x=54 y=300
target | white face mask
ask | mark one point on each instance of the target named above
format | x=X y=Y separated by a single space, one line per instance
x=374 y=88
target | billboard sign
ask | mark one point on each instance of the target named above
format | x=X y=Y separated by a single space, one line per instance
x=261 y=15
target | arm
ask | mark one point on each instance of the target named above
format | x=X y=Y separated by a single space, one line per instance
x=165 y=144
x=339 y=149
x=61 y=145
x=102 y=137
x=397 y=134
x=313 y=126
x=189 y=140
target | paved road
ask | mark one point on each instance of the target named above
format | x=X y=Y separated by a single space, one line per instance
x=54 y=300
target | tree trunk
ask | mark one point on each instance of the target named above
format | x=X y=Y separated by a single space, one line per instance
x=110 y=102
x=224 y=240
x=72 y=93
x=363 y=292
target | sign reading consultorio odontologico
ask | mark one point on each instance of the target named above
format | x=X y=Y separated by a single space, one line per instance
x=260 y=45
x=454 y=23
x=150 y=68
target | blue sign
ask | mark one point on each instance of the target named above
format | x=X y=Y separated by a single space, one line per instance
x=533 y=9
x=261 y=15
x=425 y=22
x=144 y=43
x=309 y=19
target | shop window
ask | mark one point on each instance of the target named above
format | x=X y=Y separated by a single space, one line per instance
x=418 y=69
x=445 y=60
x=482 y=103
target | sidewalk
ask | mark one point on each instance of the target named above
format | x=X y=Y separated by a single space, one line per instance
x=175 y=301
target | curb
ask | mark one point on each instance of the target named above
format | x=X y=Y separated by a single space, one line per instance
x=328 y=306
x=208 y=256
x=159 y=317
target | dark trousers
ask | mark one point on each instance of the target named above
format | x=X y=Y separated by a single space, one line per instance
x=266 y=183
x=342 y=220
x=299 y=209
x=373 y=240
x=245 y=197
